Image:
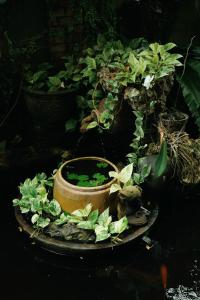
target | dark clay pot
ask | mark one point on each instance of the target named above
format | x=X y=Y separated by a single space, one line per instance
x=173 y=121
x=49 y=111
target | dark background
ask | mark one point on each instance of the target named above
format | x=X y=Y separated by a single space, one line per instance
x=28 y=272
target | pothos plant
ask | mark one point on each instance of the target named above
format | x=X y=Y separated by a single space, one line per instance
x=134 y=173
x=112 y=72
x=34 y=200
x=101 y=224
x=46 y=77
x=35 y=203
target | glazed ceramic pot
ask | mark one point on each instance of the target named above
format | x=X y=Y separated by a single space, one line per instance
x=48 y=111
x=72 y=197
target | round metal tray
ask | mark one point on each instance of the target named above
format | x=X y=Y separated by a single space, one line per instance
x=68 y=247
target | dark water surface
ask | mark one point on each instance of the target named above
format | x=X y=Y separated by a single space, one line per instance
x=28 y=272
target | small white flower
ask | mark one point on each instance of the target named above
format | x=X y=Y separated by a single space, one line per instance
x=147 y=81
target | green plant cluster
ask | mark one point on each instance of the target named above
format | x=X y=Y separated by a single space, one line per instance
x=34 y=200
x=85 y=181
x=107 y=69
x=34 y=203
x=101 y=224
x=46 y=78
x=189 y=83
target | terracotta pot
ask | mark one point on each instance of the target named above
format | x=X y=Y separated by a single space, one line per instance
x=72 y=197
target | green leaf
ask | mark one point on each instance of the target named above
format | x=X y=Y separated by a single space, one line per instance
x=91 y=62
x=38 y=75
x=35 y=218
x=101 y=233
x=104 y=218
x=132 y=60
x=169 y=46
x=190 y=88
x=70 y=125
x=62 y=219
x=102 y=165
x=126 y=173
x=55 y=81
x=77 y=77
x=146 y=169
x=88 y=225
x=114 y=188
x=54 y=208
x=161 y=161
x=119 y=226
x=83 y=177
x=72 y=176
x=43 y=222
x=93 y=216
x=81 y=213
x=137 y=178
x=92 y=125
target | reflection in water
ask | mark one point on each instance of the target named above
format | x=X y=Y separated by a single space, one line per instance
x=163 y=272
x=182 y=293
x=187 y=293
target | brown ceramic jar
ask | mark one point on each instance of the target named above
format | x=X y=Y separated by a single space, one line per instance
x=72 y=197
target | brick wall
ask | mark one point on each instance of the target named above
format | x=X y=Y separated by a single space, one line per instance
x=60 y=16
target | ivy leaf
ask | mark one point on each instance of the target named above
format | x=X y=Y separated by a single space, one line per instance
x=35 y=218
x=38 y=75
x=126 y=173
x=36 y=204
x=119 y=226
x=104 y=218
x=63 y=219
x=43 y=222
x=101 y=233
x=114 y=188
x=93 y=216
x=82 y=213
x=91 y=62
x=88 y=225
x=169 y=46
x=92 y=125
x=146 y=169
x=55 y=81
x=137 y=178
x=54 y=208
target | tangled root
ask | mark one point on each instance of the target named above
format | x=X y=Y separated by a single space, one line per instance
x=185 y=156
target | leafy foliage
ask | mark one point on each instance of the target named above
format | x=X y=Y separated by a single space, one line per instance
x=101 y=224
x=34 y=200
x=190 y=88
x=85 y=181
x=45 y=77
x=109 y=68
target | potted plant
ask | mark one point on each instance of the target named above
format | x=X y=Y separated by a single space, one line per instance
x=45 y=213
x=139 y=74
x=50 y=98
